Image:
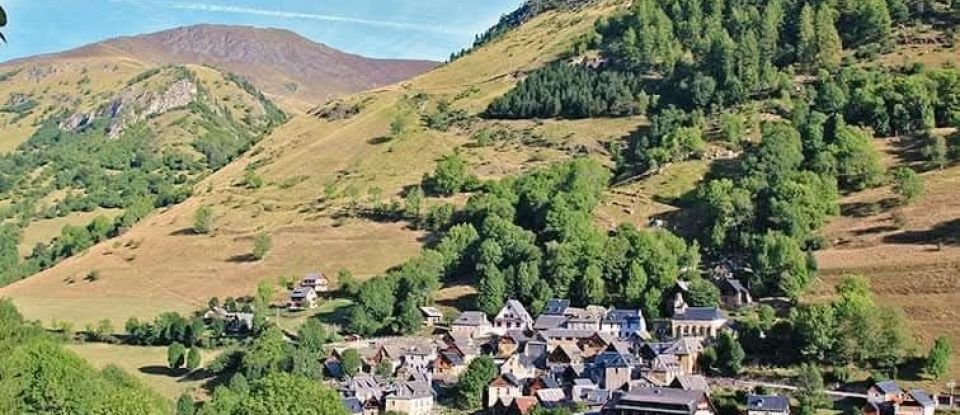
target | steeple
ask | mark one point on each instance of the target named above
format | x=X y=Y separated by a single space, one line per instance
x=679 y=305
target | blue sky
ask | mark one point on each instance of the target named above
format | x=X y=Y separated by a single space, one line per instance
x=427 y=29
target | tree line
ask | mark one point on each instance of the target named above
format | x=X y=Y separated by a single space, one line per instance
x=38 y=375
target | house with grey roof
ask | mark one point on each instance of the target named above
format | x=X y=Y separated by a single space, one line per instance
x=472 y=323
x=624 y=323
x=659 y=401
x=317 y=281
x=302 y=298
x=691 y=383
x=432 y=316
x=887 y=398
x=513 y=316
x=768 y=405
x=412 y=398
x=550 y=322
x=733 y=293
x=886 y=391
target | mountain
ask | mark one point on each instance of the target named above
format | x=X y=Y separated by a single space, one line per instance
x=279 y=62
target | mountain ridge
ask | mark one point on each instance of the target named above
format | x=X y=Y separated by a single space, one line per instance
x=278 y=61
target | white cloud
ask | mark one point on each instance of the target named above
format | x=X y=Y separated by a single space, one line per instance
x=214 y=8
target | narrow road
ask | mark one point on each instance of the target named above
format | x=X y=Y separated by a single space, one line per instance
x=748 y=384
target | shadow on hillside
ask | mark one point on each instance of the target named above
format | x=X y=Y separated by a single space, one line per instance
x=945 y=232
x=875 y=230
x=199 y=374
x=912 y=369
x=379 y=140
x=239 y=258
x=866 y=209
x=910 y=150
x=162 y=371
x=184 y=232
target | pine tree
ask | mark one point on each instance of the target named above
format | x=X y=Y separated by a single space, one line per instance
x=493 y=291
x=748 y=61
x=770 y=26
x=806 y=38
x=829 y=46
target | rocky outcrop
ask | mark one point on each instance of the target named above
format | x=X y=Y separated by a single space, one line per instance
x=77 y=121
x=134 y=106
x=123 y=111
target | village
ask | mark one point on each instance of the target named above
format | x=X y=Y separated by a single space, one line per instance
x=589 y=360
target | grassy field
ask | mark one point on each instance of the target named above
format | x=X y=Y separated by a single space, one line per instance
x=43 y=231
x=145 y=363
x=909 y=253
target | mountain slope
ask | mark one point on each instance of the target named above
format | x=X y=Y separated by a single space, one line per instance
x=313 y=169
x=279 y=62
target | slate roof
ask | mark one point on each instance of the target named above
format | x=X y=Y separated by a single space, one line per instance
x=315 y=277
x=665 y=362
x=771 y=403
x=549 y=321
x=596 y=397
x=302 y=292
x=472 y=318
x=653 y=397
x=888 y=386
x=733 y=285
x=454 y=358
x=519 y=336
x=556 y=306
x=413 y=390
x=431 y=312
x=551 y=395
x=700 y=314
x=685 y=346
x=614 y=359
x=693 y=382
x=549 y=381
x=922 y=398
x=517 y=310
x=564 y=333
x=622 y=316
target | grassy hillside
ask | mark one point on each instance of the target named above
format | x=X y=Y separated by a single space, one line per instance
x=96 y=146
x=312 y=168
